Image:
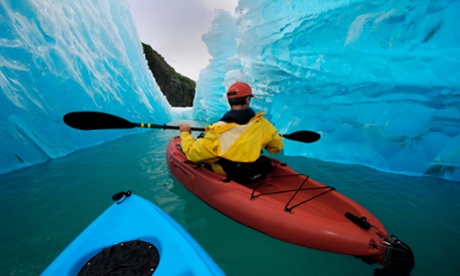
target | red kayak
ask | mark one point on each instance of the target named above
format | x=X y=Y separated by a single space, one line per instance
x=294 y=208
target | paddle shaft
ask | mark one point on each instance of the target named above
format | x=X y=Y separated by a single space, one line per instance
x=144 y=125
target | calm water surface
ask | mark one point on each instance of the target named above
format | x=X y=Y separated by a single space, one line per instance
x=43 y=208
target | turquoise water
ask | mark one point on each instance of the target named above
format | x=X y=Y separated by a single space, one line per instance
x=44 y=207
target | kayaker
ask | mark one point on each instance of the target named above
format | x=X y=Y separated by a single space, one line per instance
x=233 y=145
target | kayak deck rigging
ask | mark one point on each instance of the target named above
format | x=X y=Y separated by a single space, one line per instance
x=326 y=189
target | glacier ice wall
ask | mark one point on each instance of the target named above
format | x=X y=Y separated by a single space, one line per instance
x=63 y=56
x=380 y=80
x=210 y=101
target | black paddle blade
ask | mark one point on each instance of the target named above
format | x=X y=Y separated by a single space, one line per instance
x=90 y=120
x=304 y=136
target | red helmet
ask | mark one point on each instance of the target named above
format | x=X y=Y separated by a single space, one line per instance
x=239 y=90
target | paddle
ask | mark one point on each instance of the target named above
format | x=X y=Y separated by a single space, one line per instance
x=91 y=120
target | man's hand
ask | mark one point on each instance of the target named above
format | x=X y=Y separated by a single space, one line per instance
x=185 y=128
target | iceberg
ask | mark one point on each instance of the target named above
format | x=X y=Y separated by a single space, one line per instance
x=378 y=79
x=59 y=57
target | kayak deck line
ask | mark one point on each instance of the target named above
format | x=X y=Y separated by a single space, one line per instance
x=296 y=191
x=257 y=184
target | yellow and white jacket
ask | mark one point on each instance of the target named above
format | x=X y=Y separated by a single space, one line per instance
x=239 y=143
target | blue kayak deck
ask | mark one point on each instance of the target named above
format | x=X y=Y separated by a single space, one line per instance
x=131 y=219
